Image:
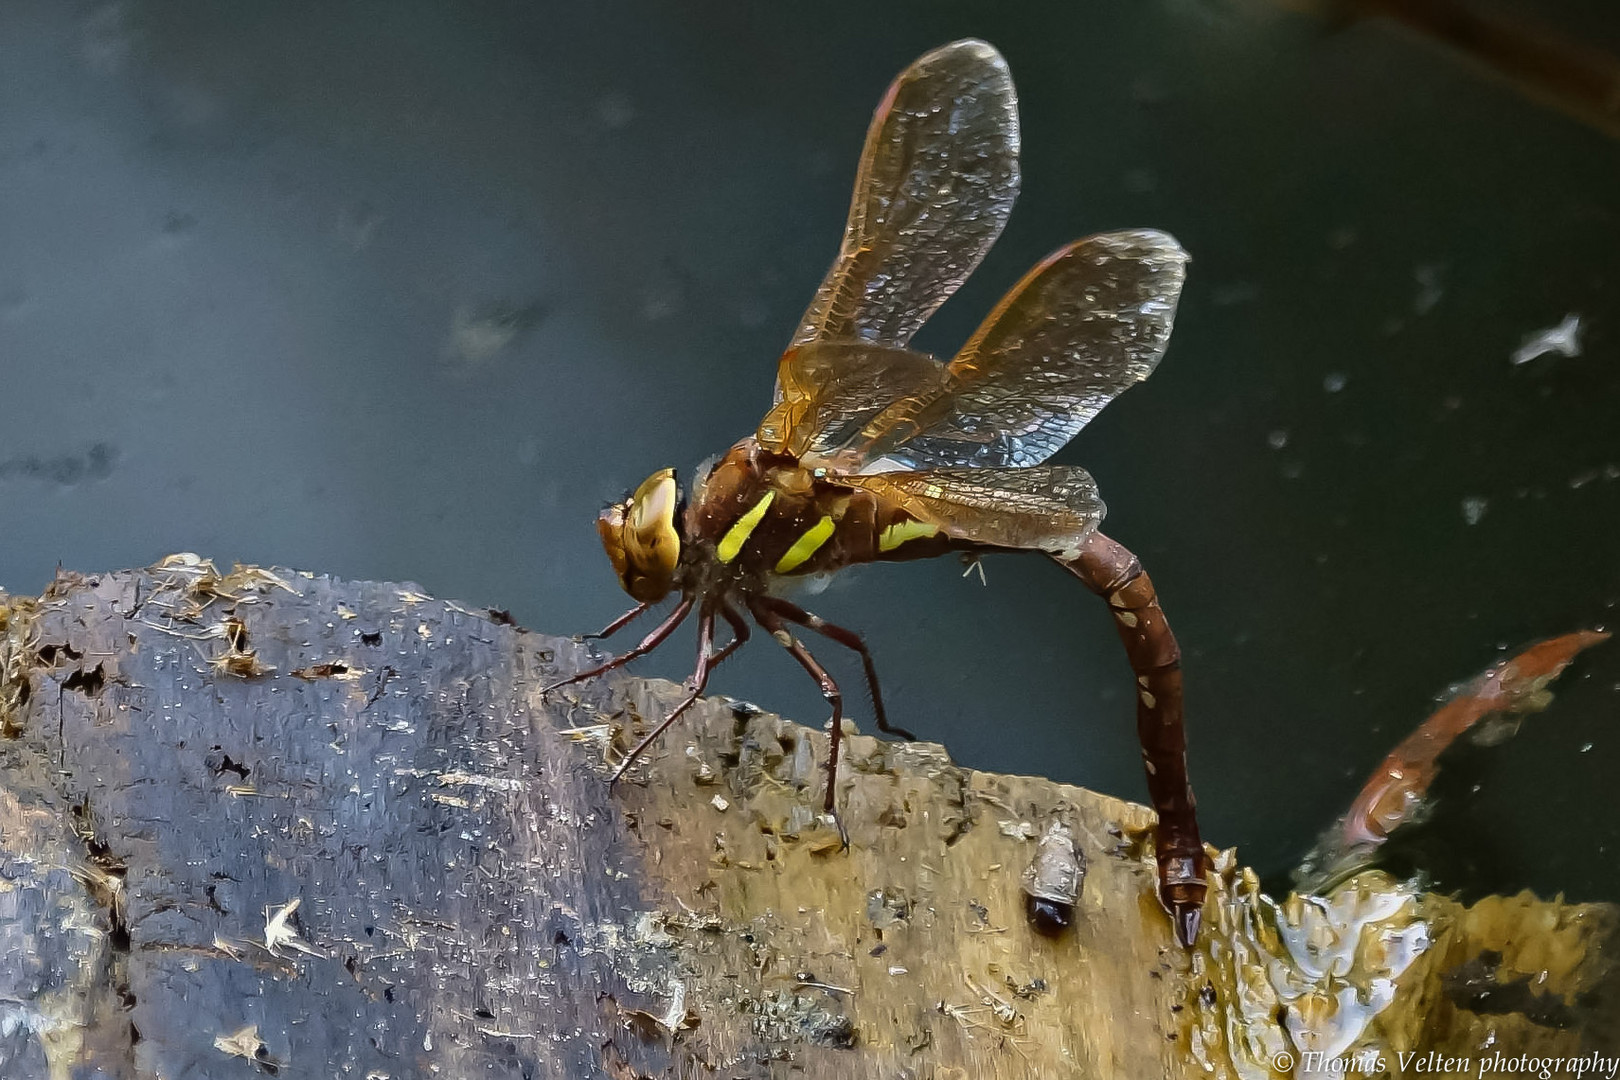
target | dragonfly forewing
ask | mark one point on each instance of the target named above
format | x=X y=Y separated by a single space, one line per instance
x=936 y=184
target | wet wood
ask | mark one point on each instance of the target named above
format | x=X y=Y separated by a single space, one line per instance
x=256 y=823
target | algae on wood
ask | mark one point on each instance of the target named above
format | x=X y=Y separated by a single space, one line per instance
x=257 y=822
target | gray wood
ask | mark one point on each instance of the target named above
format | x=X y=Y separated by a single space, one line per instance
x=452 y=869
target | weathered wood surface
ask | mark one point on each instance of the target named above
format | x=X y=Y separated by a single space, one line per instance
x=277 y=822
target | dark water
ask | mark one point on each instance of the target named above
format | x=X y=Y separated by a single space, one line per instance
x=407 y=291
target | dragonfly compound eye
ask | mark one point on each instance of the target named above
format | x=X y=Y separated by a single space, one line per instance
x=648 y=546
x=610 y=526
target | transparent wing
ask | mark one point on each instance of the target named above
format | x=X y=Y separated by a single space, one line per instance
x=828 y=391
x=1046 y=508
x=937 y=180
x=1084 y=325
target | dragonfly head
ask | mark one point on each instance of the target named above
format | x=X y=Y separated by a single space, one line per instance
x=642 y=539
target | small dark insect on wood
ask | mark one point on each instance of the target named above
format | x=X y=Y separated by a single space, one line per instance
x=872 y=452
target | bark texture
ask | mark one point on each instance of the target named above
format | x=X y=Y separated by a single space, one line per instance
x=268 y=822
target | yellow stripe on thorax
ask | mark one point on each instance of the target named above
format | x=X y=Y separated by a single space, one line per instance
x=901 y=531
x=731 y=544
x=806 y=545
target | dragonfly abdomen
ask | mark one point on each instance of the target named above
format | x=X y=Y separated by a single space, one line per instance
x=1113 y=573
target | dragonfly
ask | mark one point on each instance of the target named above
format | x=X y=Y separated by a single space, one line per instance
x=874 y=452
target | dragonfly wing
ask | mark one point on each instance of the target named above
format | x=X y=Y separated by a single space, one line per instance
x=1050 y=508
x=937 y=180
x=1081 y=327
x=828 y=391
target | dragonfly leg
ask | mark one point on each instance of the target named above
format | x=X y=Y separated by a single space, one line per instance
x=1112 y=572
x=739 y=630
x=706 y=660
x=849 y=639
x=618 y=624
x=771 y=619
x=658 y=636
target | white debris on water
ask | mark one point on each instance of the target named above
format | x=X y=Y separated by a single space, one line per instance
x=1430 y=288
x=1563 y=339
x=1473 y=508
x=1334 y=381
x=1277 y=439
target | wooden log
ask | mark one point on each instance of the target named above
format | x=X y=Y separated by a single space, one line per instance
x=274 y=822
